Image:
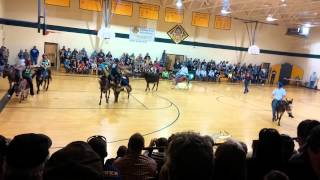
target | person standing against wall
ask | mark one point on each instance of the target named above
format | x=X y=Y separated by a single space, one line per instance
x=26 y=57
x=34 y=53
x=313 y=80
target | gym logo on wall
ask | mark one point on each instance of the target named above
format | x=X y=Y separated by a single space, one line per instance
x=177 y=34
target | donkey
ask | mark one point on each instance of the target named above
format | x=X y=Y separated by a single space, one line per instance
x=105 y=87
x=42 y=75
x=10 y=72
x=152 y=78
x=282 y=106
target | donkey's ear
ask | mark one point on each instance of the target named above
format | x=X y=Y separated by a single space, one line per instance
x=292 y=100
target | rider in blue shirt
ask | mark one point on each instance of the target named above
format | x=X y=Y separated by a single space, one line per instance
x=278 y=94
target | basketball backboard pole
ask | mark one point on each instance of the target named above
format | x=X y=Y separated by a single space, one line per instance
x=40 y=17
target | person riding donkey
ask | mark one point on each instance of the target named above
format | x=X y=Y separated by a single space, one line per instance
x=27 y=75
x=279 y=95
x=18 y=70
x=45 y=64
x=115 y=75
x=182 y=73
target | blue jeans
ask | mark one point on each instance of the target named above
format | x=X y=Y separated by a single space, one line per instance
x=274 y=106
x=34 y=60
x=312 y=84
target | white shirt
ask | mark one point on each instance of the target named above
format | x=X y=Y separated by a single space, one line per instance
x=313 y=77
x=183 y=71
x=278 y=94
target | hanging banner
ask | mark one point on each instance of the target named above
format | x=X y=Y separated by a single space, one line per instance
x=64 y=3
x=177 y=34
x=200 y=19
x=143 y=35
x=124 y=8
x=91 y=5
x=173 y=15
x=149 y=11
x=222 y=22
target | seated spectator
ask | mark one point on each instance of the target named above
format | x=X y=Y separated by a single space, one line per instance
x=158 y=155
x=230 y=162
x=26 y=157
x=74 y=162
x=304 y=129
x=267 y=154
x=276 y=175
x=121 y=152
x=287 y=144
x=190 y=157
x=99 y=145
x=306 y=165
x=3 y=150
x=134 y=166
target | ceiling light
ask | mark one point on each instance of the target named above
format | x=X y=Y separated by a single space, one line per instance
x=225 y=11
x=270 y=18
x=283 y=0
x=179 y=3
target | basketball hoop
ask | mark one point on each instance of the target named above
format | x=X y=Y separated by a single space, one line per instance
x=254 y=50
x=252 y=29
x=106 y=33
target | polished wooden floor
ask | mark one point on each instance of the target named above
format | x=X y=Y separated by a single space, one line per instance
x=69 y=111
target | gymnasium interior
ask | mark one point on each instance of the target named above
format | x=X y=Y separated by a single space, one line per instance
x=160 y=89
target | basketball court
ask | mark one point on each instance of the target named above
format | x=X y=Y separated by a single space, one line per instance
x=69 y=111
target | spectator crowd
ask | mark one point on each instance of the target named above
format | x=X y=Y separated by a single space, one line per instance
x=80 y=62
x=182 y=156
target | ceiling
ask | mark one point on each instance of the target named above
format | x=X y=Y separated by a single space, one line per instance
x=288 y=12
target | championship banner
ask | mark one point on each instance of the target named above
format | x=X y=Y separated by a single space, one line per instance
x=200 y=19
x=173 y=15
x=149 y=11
x=222 y=22
x=143 y=35
x=124 y=8
x=91 y=5
x=64 y=3
x=177 y=34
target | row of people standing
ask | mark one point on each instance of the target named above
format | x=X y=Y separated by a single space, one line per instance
x=31 y=56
